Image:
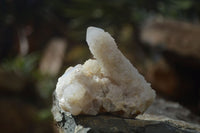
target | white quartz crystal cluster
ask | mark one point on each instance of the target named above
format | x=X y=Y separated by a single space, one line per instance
x=107 y=83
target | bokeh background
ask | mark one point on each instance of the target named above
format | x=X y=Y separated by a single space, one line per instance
x=39 y=39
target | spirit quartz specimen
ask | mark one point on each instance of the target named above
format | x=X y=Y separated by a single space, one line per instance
x=107 y=83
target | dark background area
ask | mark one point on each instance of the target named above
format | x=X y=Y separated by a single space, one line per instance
x=39 y=39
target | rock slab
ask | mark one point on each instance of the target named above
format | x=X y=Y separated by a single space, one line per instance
x=107 y=123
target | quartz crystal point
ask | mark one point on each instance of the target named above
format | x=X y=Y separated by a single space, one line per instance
x=107 y=83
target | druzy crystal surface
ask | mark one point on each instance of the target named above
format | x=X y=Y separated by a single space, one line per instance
x=107 y=83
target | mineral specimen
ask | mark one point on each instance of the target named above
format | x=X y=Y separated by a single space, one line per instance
x=107 y=83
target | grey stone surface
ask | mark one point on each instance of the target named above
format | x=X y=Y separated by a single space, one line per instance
x=172 y=110
x=113 y=124
x=161 y=117
x=65 y=121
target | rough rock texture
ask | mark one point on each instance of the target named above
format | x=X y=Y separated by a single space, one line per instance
x=172 y=110
x=108 y=83
x=162 y=116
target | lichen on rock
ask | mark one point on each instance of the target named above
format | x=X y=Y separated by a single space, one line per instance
x=107 y=83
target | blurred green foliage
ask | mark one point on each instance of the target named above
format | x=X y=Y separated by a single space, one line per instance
x=28 y=67
x=23 y=64
x=81 y=13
